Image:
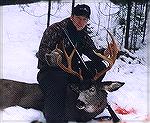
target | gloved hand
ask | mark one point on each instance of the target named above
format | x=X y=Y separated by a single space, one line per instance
x=51 y=58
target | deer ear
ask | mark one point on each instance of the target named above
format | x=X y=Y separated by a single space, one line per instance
x=111 y=85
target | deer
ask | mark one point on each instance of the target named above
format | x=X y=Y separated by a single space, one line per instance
x=81 y=105
x=19 y=93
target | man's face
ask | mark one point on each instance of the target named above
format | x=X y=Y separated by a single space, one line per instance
x=79 y=21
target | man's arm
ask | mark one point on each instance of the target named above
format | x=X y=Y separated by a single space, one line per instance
x=89 y=46
x=46 y=46
x=51 y=37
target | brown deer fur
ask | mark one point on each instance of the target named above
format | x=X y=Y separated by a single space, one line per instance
x=14 y=93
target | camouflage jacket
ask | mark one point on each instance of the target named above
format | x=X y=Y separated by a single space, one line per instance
x=54 y=34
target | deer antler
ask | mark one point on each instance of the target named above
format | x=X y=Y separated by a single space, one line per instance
x=68 y=69
x=110 y=55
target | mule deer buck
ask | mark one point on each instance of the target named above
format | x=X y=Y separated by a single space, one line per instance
x=20 y=93
x=91 y=101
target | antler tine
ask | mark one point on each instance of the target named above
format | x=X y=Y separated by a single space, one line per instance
x=110 y=56
x=58 y=50
x=68 y=69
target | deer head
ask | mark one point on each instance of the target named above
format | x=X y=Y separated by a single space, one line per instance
x=94 y=99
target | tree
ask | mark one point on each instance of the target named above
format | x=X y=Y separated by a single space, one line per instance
x=73 y=3
x=144 y=25
x=49 y=12
x=126 y=46
x=135 y=23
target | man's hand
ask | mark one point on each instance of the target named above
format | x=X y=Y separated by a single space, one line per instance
x=112 y=48
x=52 y=58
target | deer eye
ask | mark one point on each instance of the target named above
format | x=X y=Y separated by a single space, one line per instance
x=92 y=89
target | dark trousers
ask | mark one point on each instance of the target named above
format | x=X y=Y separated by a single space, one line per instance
x=53 y=84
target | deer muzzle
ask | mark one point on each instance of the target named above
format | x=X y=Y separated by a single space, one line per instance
x=80 y=104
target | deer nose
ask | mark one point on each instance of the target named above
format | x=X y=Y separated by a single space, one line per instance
x=80 y=104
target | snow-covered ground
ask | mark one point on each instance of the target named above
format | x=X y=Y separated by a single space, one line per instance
x=22 y=32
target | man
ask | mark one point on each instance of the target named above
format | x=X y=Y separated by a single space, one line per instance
x=52 y=79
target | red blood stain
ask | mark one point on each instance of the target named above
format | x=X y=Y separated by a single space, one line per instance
x=124 y=111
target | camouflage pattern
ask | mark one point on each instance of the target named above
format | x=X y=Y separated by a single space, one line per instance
x=54 y=34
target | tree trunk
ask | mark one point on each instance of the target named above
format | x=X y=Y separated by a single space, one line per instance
x=73 y=3
x=134 y=30
x=128 y=25
x=144 y=25
x=49 y=12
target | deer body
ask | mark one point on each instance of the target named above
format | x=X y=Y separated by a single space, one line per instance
x=19 y=93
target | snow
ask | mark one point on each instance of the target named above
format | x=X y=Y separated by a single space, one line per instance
x=21 y=38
